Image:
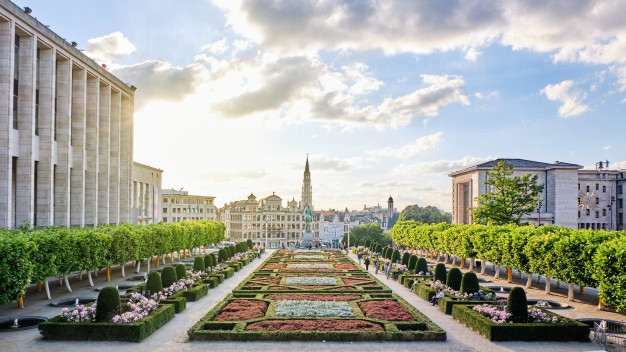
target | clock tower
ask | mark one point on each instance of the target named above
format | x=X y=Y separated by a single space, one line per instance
x=307 y=190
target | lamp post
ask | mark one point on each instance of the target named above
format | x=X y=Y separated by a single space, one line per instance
x=266 y=233
x=348 y=236
x=539 y=213
x=610 y=206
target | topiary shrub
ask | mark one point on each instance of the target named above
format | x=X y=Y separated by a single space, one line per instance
x=469 y=284
x=181 y=271
x=198 y=264
x=233 y=251
x=378 y=249
x=208 y=261
x=517 y=305
x=222 y=255
x=412 y=263
x=388 y=253
x=154 y=283
x=405 y=258
x=168 y=276
x=454 y=279
x=395 y=257
x=213 y=259
x=250 y=244
x=441 y=273
x=108 y=304
x=421 y=266
x=366 y=243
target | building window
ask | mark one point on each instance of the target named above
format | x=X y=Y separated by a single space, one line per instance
x=619 y=189
x=597 y=200
x=587 y=212
x=597 y=187
x=603 y=212
x=165 y=219
x=165 y=200
x=603 y=189
x=579 y=186
x=164 y=210
x=597 y=214
x=579 y=214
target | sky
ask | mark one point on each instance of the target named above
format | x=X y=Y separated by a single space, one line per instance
x=385 y=97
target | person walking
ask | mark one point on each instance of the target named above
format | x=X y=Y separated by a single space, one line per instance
x=259 y=251
x=376 y=261
x=367 y=263
x=360 y=256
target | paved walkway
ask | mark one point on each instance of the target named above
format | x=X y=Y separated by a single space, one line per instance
x=173 y=336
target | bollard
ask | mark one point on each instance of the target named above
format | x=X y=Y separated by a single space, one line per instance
x=509 y=273
x=108 y=273
x=20 y=302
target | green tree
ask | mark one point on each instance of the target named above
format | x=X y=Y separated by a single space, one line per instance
x=510 y=196
x=372 y=233
x=427 y=215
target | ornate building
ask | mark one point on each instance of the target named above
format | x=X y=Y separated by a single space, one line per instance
x=307 y=191
x=182 y=206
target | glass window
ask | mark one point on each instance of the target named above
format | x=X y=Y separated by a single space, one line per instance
x=597 y=187
x=597 y=214
x=587 y=212
x=603 y=189
x=587 y=188
x=165 y=219
x=603 y=212
x=597 y=200
x=164 y=210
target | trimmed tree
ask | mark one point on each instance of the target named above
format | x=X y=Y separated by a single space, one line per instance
x=168 y=276
x=454 y=279
x=198 y=264
x=222 y=255
x=154 y=283
x=181 y=271
x=469 y=284
x=412 y=263
x=405 y=258
x=440 y=272
x=108 y=304
x=421 y=266
x=395 y=257
x=208 y=261
x=517 y=305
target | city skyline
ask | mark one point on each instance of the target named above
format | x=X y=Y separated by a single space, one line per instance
x=232 y=97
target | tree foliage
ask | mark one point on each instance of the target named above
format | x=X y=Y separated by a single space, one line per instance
x=372 y=233
x=427 y=215
x=510 y=196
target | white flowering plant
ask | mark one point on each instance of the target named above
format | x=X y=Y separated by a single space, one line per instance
x=306 y=280
x=305 y=308
x=304 y=256
x=310 y=266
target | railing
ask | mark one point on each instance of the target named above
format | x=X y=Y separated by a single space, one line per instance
x=612 y=336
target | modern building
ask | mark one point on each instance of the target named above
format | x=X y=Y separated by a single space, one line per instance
x=66 y=130
x=146 y=194
x=179 y=206
x=572 y=197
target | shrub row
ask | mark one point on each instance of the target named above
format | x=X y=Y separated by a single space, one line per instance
x=30 y=255
x=593 y=258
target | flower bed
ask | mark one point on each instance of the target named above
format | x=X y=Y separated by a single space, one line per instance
x=304 y=308
x=385 y=310
x=310 y=266
x=347 y=266
x=306 y=280
x=271 y=266
x=336 y=298
x=314 y=325
x=304 y=256
x=242 y=309
x=496 y=328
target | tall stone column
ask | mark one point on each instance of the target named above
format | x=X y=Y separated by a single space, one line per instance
x=64 y=149
x=77 y=172
x=91 y=150
x=45 y=172
x=104 y=153
x=114 y=166
x=6 y=81
x=125 y=159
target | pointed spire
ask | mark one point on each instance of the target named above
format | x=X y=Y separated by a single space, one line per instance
x=306 y=168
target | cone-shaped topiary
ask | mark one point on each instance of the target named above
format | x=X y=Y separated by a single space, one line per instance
x=233 y=251
x=198 y=264
x=405 y=258
x=454 y=279
x=395 y=257
x=154 y=283
x=366 y=243
x=440 y=272
x=181 y=271
x=108 y=304
x=413 y=263
x=213 y=259
x=517 y=305
x=250 y=244
x=222 y=254
x=469 y=284
x=378 y=249
x=421 y=266
x=168 y=276
x=208 y=261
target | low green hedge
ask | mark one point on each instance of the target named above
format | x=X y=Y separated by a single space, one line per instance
x=196 y=292
x=229 y=272
x=424 y=291
x=568 y=331
x=447 y=303
x=219 y=277
x=212 y=281
x=177 y=300
x=57 y=329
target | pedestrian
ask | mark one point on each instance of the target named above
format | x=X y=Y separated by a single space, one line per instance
x=360 y=256
x=376 y=261
x=367 y=263
x=439 y=294
x=259 y=251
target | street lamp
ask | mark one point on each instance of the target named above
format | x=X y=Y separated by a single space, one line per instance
x=539 y=213
x=266 y=233
x=610 y=206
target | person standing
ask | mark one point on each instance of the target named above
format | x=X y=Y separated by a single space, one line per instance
x=259 y=251
x=376 y=261
x=360 y=256
x=367 y=263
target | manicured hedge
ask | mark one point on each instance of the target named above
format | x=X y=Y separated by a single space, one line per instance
x=57 y=329
x=593 y=258
x=30 y=255
x=568 y=331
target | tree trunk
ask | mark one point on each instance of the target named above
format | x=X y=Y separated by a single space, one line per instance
x=138 y=267
x=547 y=285
x=529 y=282
x=497 y=275
x=570 y=292
x=48 y=296
x=80 y=276
x=148 y=267
x=123 y=271
x=538 y=278
x=483 y=268
x=67 y=283
x=509 y=275
x=89 y=278
x=471 y=268
x=558 y=284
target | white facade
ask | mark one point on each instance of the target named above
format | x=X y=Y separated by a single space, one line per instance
x=66 y=130
x=146 y=194
x=179 y=206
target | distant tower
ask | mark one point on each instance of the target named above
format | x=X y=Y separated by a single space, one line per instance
x=390 y=207
x=307 y=190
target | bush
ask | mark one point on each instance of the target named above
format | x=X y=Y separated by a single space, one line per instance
x=108 y=304
x=517 y=305
x=366 y=243
x=233 y=251
x=222 y=255
x=441 y=273
x=413 y=263
x=154 y=283
x=181 y=271
x=208 y=261
x=395 y=257
x=168 y=276
x=454 y=279
x=405 y=258
x=388 y=253
x=250 y=244
x=379 y=248
x=421 y=265
x=198 y=264
x=213 y=259
x=469 y=284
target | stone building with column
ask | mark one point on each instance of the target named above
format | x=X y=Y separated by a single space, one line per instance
x=66 y=130
x=572 y=197
x=146 y=198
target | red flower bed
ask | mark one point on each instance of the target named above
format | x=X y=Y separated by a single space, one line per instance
x=337 y=298
x=309 y=270
x=346 y=266
x=273 y=281
x=385 y=310
x=274 y=266
x=314 y=325
x=280 y=288
x=242 y=309
x=353 y=281
x=344 y=288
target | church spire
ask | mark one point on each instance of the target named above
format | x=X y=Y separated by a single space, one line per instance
x=307 y=190
x=306 y=167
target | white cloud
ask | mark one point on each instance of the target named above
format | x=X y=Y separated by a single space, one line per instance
x=492 y=94
x=437 y=167
x=224 y=176
x=216 y=48
x=325 y=163
x=571 y=99
x=472 y=54
x=607 y=147
x=419 y=146
x=105 y=49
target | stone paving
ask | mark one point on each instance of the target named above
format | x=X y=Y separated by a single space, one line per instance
x=173 y=336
